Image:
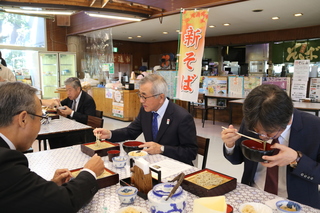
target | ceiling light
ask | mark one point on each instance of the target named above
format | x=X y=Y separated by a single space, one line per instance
x=165 y=33
x=178 y=31
x=42 y=12
x=226 y=24
x=298 y=14
x=275 y=18
x=139 y=36
x=129 y=37
x=113 y=17
x=212 y=26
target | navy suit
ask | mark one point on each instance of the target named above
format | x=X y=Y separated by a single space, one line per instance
x=24 y=191
x=86 y=106
x=302 y=182
x=177 y=132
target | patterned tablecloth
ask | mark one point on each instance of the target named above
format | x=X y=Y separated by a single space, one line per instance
x=106 y=200
x=62 y=125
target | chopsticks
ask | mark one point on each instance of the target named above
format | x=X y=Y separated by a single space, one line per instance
x=254 y=139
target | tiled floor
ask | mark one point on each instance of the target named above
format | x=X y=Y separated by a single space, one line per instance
x=215 y=161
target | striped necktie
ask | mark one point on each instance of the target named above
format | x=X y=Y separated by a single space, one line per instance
x=74 y=105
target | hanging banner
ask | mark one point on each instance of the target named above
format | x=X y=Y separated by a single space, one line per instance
x=192 y=38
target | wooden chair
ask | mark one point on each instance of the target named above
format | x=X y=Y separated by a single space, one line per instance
x=203 y=106
x=203 y=146
x=95 y=122
x=99 y=114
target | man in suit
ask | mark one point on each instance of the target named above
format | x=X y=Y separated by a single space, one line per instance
x=78 y=106
x=176 y=132
x=20 y=189
x=269 y=115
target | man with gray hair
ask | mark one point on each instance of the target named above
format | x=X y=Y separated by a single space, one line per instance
x=20 y=189
x=167 y=128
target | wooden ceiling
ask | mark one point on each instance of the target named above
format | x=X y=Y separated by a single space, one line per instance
x=143 y=8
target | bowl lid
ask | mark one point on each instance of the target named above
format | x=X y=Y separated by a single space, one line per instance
x=164 y=189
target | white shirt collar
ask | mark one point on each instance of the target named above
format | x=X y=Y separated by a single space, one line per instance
x=10 y=144
x=163 y=108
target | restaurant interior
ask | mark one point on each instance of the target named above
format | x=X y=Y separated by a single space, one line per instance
x=238 y=33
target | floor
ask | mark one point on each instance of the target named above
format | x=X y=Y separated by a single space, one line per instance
x=215 y=161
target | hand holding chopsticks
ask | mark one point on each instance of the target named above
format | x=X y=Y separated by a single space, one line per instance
x=251 y=138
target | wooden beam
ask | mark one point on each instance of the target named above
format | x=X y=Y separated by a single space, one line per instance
x=92 y=3
x=104 y=2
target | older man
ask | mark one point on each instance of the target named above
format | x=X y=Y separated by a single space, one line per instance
x=20 y=189
x=168 y=128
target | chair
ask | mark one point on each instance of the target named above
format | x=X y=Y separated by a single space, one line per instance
x=95 y=122
x=203 y=106
x=99 y=114
x=203 y=146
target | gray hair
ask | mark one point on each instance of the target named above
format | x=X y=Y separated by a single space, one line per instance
x=160 y=85
x=15 y=97
x=74 y=82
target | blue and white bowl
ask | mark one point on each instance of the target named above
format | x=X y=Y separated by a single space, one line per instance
x=286 y=206
x=127 y=194
x=157 y=197
x=119 y=161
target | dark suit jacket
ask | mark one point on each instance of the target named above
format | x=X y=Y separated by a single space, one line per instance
x=177 y=132
x=86 y=106
x=24 y=191
x=302 y=182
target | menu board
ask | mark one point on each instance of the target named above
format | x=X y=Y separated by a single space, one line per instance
x=300 y=79
x=314 y=90
x=235 y=85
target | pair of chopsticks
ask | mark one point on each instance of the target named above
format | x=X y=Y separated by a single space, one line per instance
x=254 y=139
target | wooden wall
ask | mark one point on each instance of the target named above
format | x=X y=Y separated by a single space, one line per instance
x=56 y=36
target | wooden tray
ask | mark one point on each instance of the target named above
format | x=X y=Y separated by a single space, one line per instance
x=90 y=149
x=107 y=178
x=225 y=183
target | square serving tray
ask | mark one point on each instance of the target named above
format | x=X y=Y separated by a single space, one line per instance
x=111 y=179
x=85 y=148
x=229 y=184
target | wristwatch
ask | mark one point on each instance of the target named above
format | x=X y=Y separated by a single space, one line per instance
x=162 y=149
x=294 y=163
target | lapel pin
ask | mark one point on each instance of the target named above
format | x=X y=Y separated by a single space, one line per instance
x=168 y=121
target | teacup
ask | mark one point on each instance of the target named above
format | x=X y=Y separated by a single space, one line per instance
x=119 y=161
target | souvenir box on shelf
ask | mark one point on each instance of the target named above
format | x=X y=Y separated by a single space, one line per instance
x=100 y=148
x=206 y=182
x=107 y=178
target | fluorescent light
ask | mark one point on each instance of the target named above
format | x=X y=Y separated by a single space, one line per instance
x=113 y=17
x=42 y=12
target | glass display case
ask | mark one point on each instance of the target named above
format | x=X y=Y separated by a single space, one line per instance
x=55 y=68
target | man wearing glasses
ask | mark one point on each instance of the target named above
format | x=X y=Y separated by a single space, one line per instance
x=168 y=129
x=20 y=189
x=269 y=115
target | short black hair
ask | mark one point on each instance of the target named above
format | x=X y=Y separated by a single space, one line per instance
x=267 y=105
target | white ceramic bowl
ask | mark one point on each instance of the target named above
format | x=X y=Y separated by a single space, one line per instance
x=138 y=154
x=119 y=161
x=291 y=206
x=127 y=194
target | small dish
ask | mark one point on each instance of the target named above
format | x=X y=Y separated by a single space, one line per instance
x=137 y=154
x=286 y=206
x=127 y=194
x=258 y=207
x=119 y=161
x=128 y=208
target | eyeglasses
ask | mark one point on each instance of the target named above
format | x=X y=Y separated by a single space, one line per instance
x=145 y=98
x=44 y=118
x=266 y=136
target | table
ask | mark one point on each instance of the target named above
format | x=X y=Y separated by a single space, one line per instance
x=304 y=106
x=46 y=162
x=60 y=127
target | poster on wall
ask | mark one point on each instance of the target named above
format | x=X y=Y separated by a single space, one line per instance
x=249 y=83
x=235 y=86
x=193 y=30
x=314 y=90
x=300 y=79
x=117 y=104
x=282 y=82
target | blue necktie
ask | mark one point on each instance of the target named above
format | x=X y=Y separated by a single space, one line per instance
x=154 y=125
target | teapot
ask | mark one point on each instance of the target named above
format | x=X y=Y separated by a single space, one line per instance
x=159 y=201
